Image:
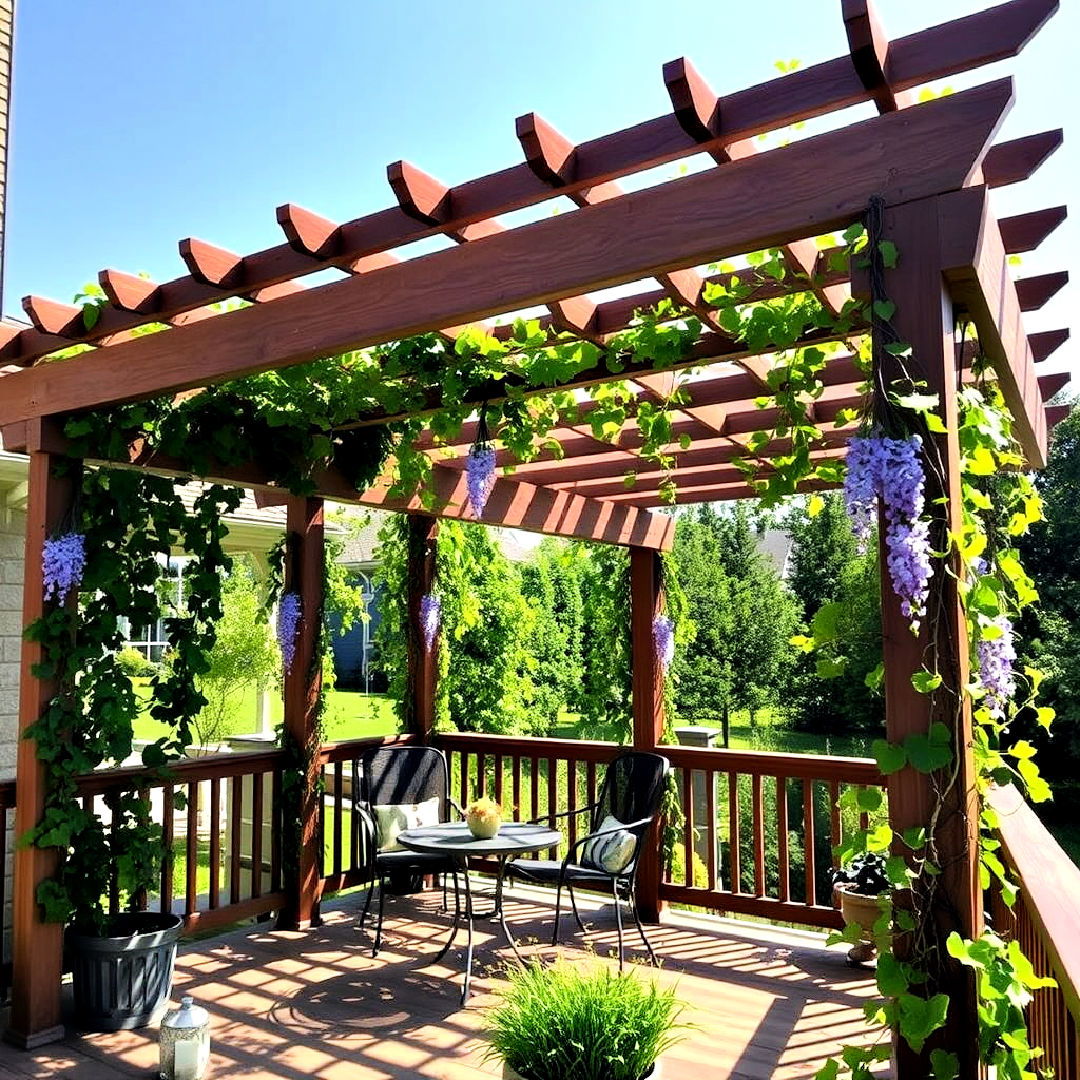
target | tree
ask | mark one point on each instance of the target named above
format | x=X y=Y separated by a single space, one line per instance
x=763 y=612
x=244 y=655
x=703 y=666
x=551 y=583
x=822 y=547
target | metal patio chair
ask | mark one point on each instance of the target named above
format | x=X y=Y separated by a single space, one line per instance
x=396 y=776
x=631 y=793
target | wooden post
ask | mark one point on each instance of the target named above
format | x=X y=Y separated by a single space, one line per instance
x=37 y=946
x=304 y=574
x=648 y=704
x=924 y=320
x=423 y=662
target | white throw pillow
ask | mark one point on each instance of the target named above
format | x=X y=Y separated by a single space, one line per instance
x=394 y=818
x=612 y=852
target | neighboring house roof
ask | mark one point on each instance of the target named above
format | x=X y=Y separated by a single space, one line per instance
x=775 y=544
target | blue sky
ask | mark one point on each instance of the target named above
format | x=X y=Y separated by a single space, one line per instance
x=136 y=124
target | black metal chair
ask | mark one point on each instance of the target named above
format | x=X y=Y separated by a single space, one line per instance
x=397 y=776
x=632 y=793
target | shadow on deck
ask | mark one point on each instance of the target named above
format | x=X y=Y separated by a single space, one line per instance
x=766 y=1004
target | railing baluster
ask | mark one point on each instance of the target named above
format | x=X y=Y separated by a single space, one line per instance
x=499 y=779
x=168 y=865
x=463 y=778
x=688 y=826
x=571 y=801
x=257 y=834
x=590 y=784
x=235 y=837
x=481 y=775
x=534 y=784
x=835 y=825
x=733 y=831
x=191 y=887
x=339 y=800
x=759 y=834
x=782 y=858
x=808 y=841
x=552 y=790
x=710 y=827
x=276 y=826
x=215 y=841
x=517 y=786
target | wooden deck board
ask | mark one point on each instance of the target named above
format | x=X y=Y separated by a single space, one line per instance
x=765 y=1004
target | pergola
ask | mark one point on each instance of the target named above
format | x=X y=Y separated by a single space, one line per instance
x=933 y=164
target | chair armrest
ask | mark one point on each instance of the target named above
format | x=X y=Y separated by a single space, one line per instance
x=629 y=826
x=456 y=805
x=368 y=827
x=563 y=813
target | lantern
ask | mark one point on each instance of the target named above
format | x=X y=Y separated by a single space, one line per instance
x=184 y=1042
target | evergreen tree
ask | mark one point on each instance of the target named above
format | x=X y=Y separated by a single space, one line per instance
x=703 y=666
x=822 y=547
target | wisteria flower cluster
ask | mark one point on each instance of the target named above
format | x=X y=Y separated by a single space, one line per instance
x=663 y=630
x=430 y=618
x=891 y=470
x=290 y=611
x=480 y=475
x=996 y=656
x=63 y=560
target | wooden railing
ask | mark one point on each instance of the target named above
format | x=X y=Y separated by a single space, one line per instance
x=1045 y=920
x=758 y=828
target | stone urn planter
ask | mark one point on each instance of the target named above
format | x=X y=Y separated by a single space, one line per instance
x=123 y=979
x=861 y=909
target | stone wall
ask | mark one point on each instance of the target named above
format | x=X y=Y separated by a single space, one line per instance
x=12 y=534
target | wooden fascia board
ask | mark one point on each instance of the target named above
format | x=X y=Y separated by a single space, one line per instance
x=977 y=272
x=761 y=201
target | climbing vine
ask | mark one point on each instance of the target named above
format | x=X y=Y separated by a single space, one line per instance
x=891 y=460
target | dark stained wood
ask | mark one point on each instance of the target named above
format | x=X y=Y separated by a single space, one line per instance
x=167 y=823
x=1025 y=232
x=647 y=684
x=757 y=827
x=36 y=945
x=783 y=858
x=689 y=221
x=734 y=834
x=191 y=851
x=215 y=843
x=1018 y=159
x=1046 y=343
x=304 y=572
x=925 y=319
x=1034 y=292
x=809 y=841
x=869 y=47
x=422 y=661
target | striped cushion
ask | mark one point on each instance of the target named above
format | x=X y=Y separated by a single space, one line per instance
x=612 y=852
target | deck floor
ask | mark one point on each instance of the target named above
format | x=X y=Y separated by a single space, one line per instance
x=765 y=1003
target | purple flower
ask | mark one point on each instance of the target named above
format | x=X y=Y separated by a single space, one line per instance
x=891 y=470
x=63 y=560
x=430 y=617
x=996 y=656
x=663 y=632
x=288 y=627
x=480 y=475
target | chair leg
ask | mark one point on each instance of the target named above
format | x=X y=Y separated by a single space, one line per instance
x=558 y=901
x=618 y=917
x=367 y=899
x=378 y=927
x=573 y=904
x=641 y=929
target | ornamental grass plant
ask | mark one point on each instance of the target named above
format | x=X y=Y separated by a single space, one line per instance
x=564 y=1023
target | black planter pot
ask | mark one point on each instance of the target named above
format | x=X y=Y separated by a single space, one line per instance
x=122 y=980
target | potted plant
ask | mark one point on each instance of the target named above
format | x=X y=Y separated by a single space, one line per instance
x=484 y=818
x=565 y=1023
x=863 y=889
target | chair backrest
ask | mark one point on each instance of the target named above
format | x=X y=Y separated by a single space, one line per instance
x=404 y=774
x=633 y=788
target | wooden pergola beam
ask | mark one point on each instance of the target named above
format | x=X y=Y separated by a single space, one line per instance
x=1018 y=159
x=749 y=205
x=973 y=259
x=1025 y=232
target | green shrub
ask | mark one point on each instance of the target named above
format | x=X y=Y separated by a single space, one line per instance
x=560 y=1023
x=134 y=665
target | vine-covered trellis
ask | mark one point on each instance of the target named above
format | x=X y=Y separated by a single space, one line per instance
x=771 y=350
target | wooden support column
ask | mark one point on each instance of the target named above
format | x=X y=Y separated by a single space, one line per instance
x=648 y=704
x=37 y=946
x=305 y=575
x=924 y=319
x=423 y=662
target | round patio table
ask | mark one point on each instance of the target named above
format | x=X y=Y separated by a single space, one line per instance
x=453 y=839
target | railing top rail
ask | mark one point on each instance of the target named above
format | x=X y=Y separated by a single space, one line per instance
x=347 y=749
x=189 y=771
x=1050 y=884
x=710 y=759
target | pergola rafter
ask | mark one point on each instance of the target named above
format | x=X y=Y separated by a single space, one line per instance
x=931 y=164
